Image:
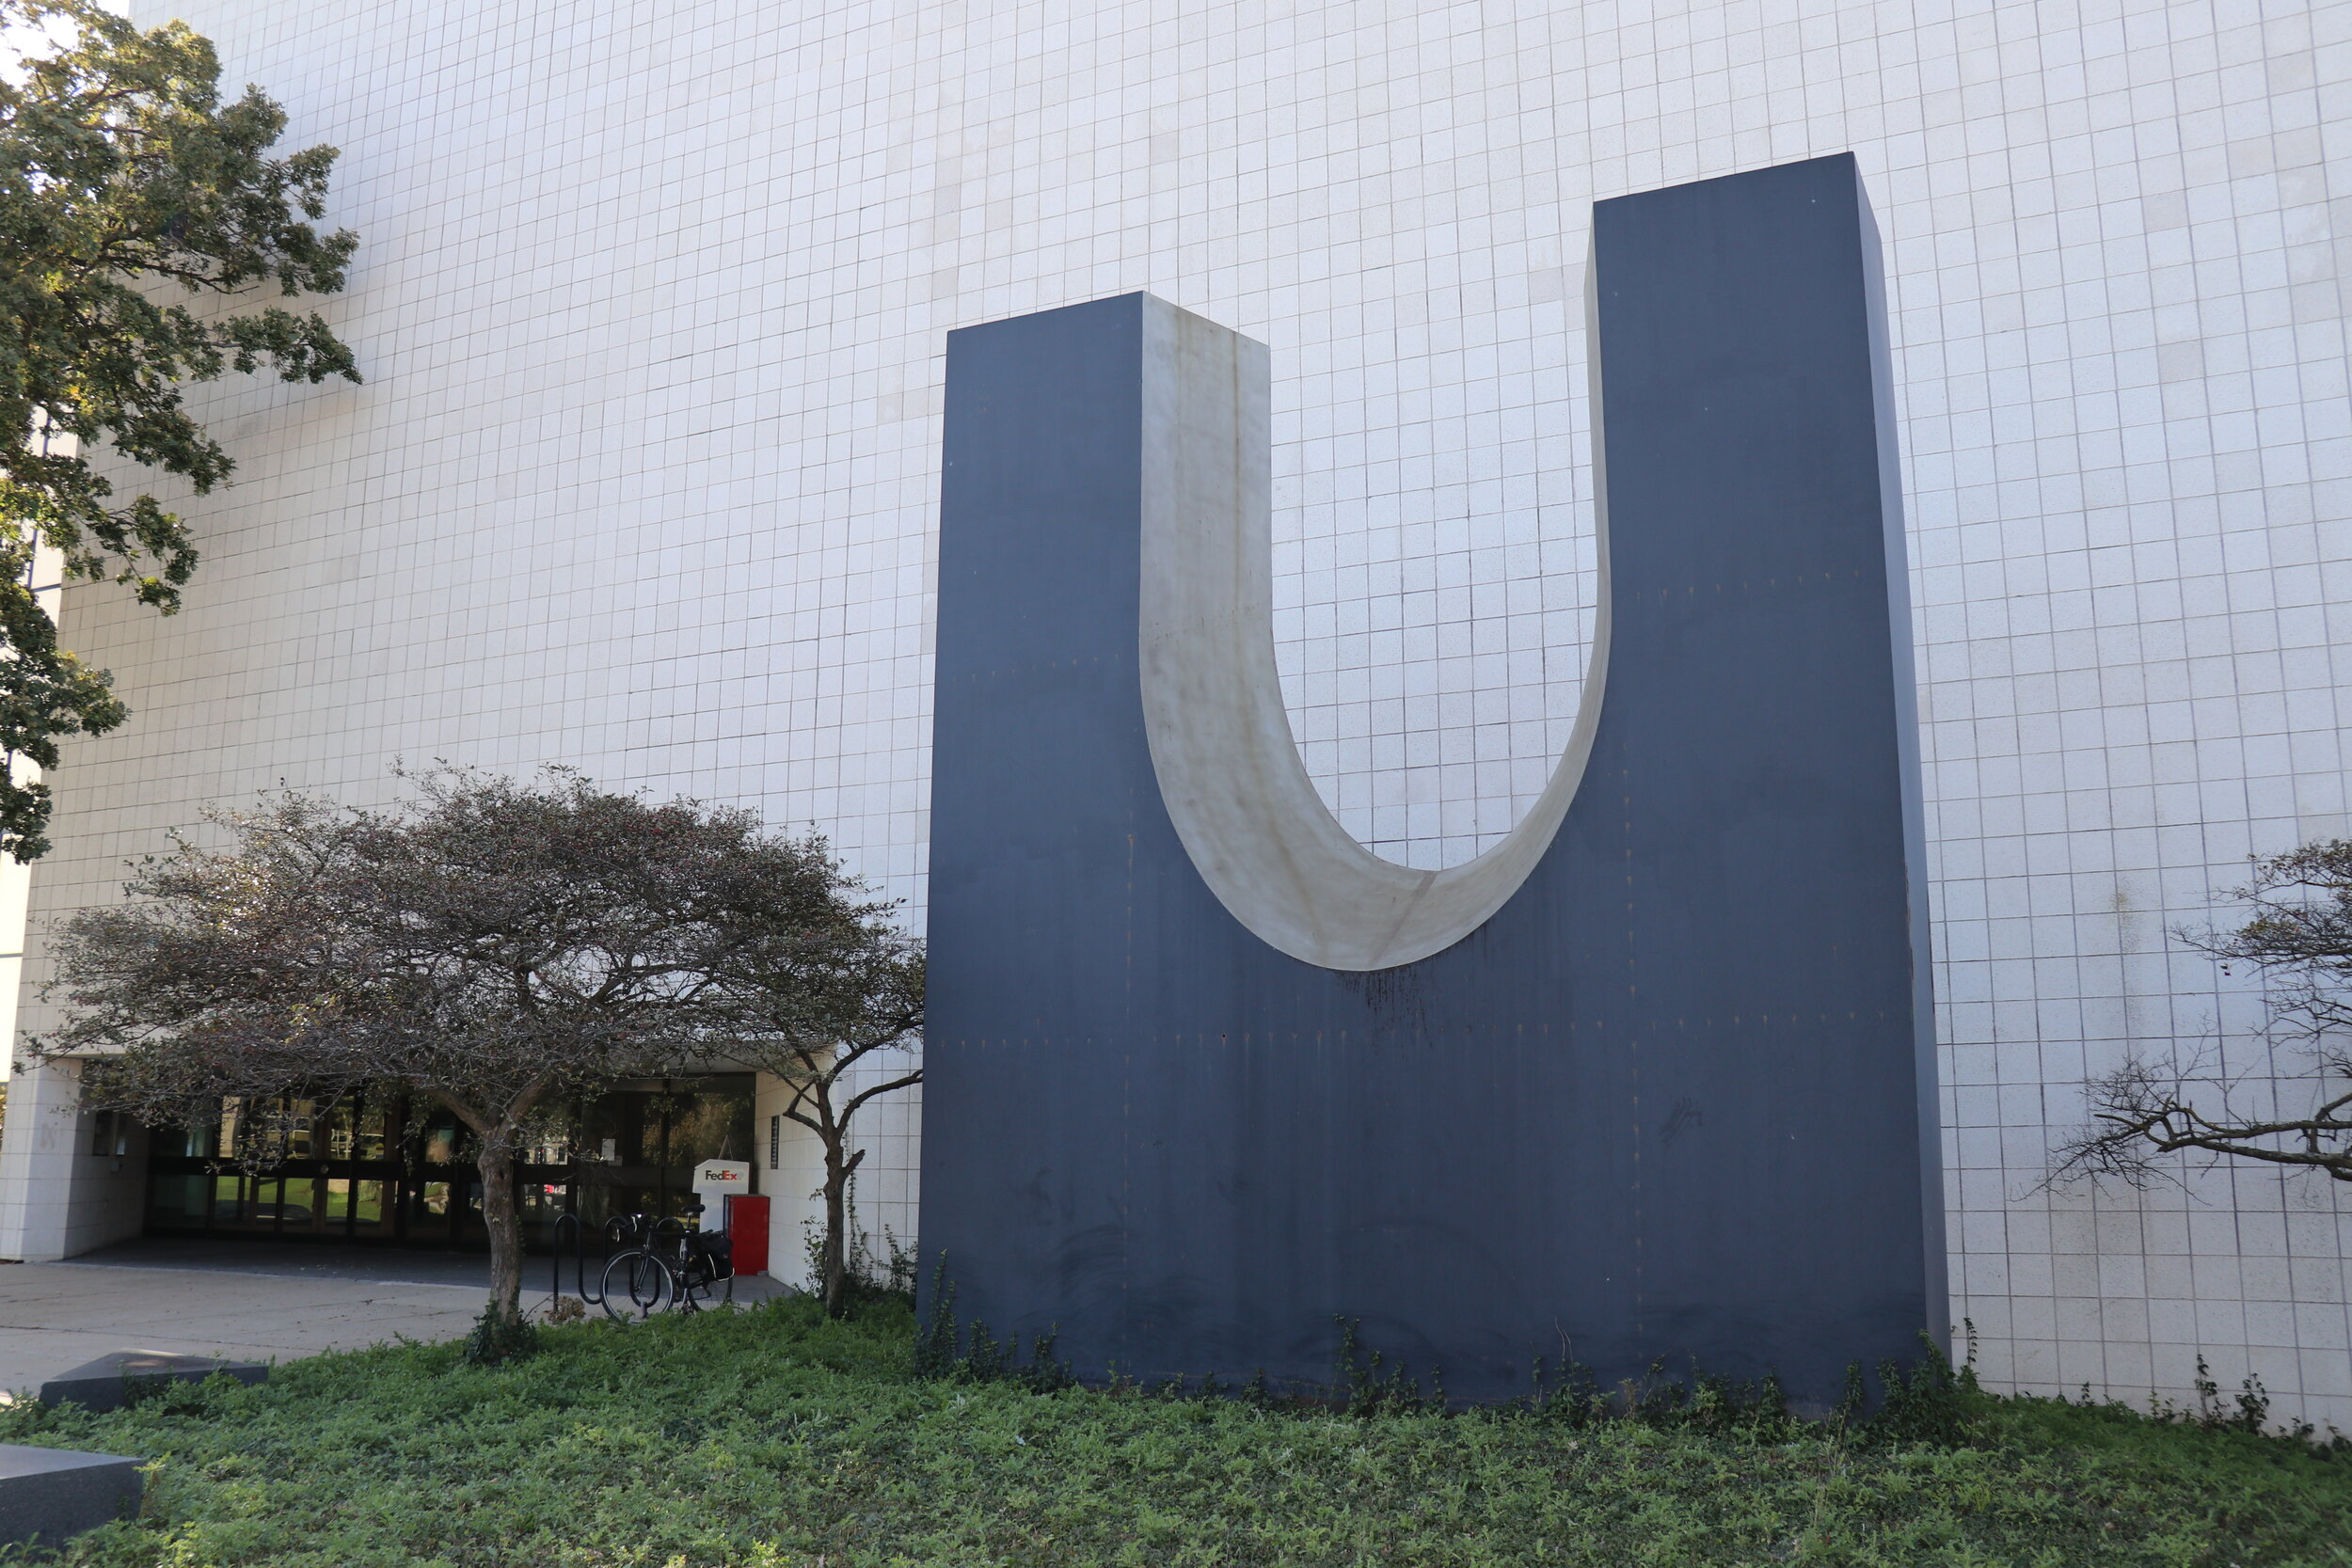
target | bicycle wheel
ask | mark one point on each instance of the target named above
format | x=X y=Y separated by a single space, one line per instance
x=636 y=1285
x=699 y=1290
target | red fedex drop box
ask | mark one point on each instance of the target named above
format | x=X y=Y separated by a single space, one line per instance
x=747 y=1230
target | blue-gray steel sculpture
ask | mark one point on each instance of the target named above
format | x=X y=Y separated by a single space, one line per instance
x=1653 y=1077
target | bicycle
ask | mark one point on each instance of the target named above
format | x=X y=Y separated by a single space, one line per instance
x=660 y=1264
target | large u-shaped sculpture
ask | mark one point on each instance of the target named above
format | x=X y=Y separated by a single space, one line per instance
x=1653 y=1076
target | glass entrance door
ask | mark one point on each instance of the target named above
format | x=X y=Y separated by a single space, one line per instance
x=391 y=1173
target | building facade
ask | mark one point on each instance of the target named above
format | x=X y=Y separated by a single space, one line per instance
x=652 y=299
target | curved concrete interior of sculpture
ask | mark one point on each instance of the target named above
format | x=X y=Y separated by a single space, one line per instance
x=1229 y=770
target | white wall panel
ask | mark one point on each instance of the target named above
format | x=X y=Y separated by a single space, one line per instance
x=651 y=302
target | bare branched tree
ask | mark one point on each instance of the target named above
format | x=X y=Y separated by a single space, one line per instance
x=811 y=990
x=2300 y=942
x=496 y=946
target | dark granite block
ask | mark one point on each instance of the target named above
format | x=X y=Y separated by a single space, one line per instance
x=53 y=1493
x=105 y=1383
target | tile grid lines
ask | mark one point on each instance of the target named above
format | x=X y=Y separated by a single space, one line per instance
x=641 y=478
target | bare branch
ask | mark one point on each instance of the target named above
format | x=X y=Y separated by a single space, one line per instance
x=905 y=1081
x=2299 y=941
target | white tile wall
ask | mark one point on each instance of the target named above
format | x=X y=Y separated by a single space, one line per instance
x=651 y=304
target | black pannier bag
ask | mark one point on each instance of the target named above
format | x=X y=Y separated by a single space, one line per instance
x=718 y=1247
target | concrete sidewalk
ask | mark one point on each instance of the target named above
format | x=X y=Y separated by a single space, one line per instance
x=55 y=1316
x=255 y=1301
x=382 y=1265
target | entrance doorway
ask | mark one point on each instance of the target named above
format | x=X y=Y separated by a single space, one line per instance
x=397 y=1174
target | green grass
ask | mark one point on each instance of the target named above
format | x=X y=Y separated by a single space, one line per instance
x=775 y=1437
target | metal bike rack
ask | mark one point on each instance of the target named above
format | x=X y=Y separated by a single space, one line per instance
x=579 y=1233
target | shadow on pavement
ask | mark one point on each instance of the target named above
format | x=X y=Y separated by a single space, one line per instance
x=378 y=1264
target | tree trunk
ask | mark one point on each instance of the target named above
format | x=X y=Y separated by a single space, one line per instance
x=835 y=1286
x=836 y=1283
x=500 y=1218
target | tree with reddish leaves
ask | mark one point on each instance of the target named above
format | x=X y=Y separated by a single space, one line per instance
x=499 y=947
x=829 y=1002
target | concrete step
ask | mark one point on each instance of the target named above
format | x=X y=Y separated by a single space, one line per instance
x=55 y=1494
x=108 y=1382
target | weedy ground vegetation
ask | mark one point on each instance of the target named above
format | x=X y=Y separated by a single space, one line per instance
x=777 y=1436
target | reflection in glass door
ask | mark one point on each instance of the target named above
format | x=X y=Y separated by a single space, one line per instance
x=345 y=1171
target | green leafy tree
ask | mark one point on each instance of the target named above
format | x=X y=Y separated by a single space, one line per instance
x=127 y=189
